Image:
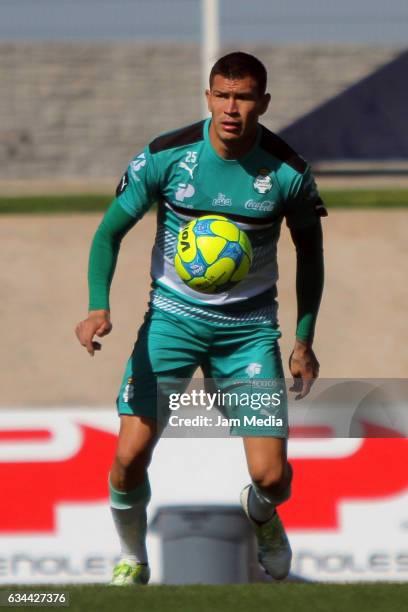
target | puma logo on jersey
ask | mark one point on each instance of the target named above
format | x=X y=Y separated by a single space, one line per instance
x=184 y=166
x=124 y=182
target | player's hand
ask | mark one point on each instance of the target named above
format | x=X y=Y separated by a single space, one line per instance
x=304 y=368
x=98 y=323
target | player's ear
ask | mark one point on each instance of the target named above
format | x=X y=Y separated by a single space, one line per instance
x=208 y=96
x=266 y=98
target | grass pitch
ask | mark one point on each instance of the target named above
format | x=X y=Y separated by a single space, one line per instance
x=286 y=597
x=346 y=198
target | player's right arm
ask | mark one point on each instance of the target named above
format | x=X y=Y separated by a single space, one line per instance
x=135 y=194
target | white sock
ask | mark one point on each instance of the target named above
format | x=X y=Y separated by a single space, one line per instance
x=129 y=515
x=131 y=528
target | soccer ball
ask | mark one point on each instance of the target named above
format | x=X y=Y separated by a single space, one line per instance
x=213 y=254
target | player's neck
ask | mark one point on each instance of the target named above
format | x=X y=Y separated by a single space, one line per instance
x=231 y=150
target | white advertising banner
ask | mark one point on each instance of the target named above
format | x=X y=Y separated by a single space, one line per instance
x=347 y=519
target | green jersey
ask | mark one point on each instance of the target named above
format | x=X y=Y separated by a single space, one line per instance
x=183 y=174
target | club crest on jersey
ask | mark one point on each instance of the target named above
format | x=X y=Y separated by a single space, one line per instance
x=263 y=182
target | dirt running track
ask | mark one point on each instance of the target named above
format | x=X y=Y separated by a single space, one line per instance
x=362 y=327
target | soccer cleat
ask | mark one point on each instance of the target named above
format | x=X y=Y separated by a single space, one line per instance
x=130 y=573
x=274 y=551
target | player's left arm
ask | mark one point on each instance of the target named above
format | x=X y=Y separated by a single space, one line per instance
x=303 y=363
x=303 y=219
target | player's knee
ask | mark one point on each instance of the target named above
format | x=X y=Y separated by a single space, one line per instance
x=130 y=464
x=269 y=477
x=128 y=459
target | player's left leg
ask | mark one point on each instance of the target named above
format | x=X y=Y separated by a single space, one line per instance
x=247 y=360
x=271 y=476
x=270 y=473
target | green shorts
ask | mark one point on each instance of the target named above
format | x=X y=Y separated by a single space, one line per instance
x=242 y=360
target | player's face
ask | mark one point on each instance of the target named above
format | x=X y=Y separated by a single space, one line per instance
x=235 y=106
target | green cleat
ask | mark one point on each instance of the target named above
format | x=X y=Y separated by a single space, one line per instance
x=274 y=551
x=130 y=573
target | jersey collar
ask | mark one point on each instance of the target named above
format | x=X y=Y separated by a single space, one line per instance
x=222 y=160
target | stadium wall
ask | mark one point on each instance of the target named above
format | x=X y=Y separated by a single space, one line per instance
x=76 y=110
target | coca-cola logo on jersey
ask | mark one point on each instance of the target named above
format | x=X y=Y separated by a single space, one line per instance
x=265 y=206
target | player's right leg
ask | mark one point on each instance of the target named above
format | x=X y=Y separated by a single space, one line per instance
x=129 y=495
x=166 y=353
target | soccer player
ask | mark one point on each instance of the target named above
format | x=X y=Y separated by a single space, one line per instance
x=231 y=165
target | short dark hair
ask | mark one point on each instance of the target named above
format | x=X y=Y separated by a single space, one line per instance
x=239 y=65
